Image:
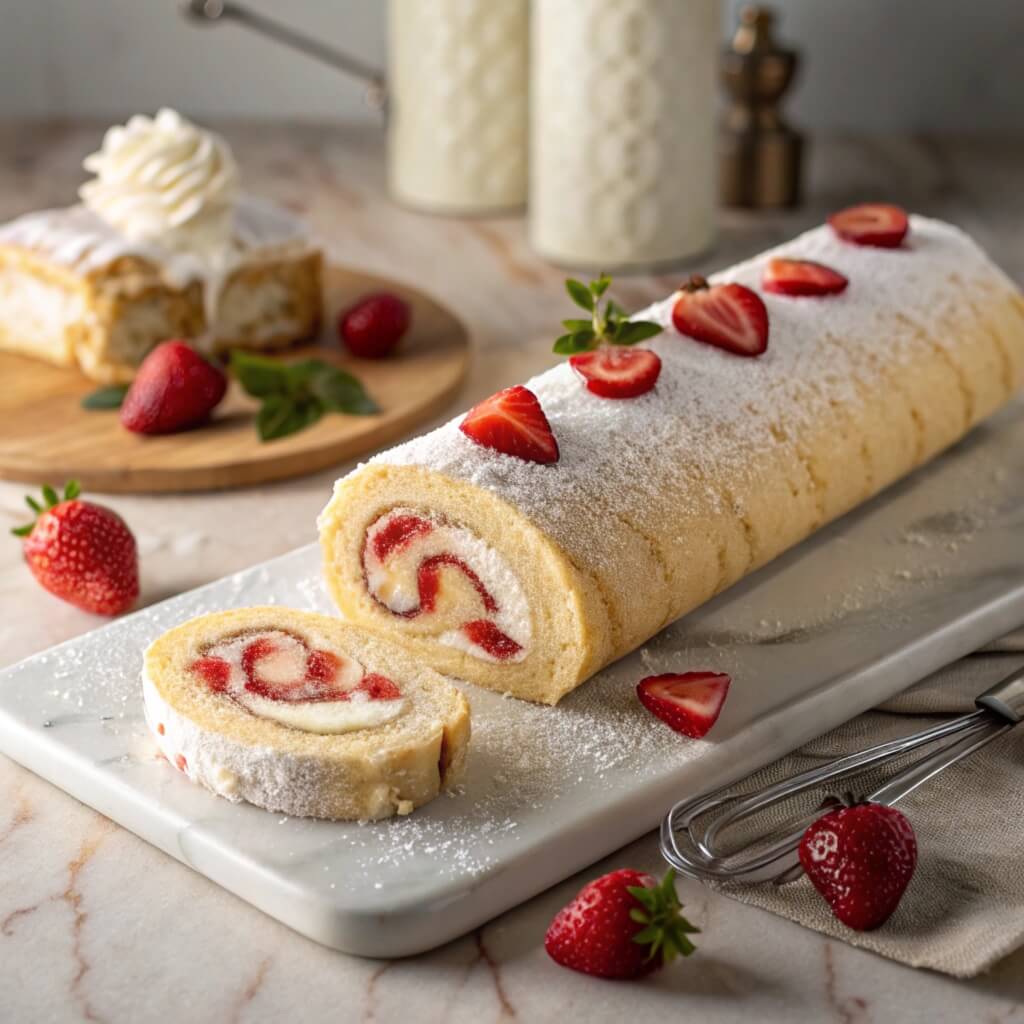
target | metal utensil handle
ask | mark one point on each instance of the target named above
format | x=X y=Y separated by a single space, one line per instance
x=999 y=709
x=212 y=12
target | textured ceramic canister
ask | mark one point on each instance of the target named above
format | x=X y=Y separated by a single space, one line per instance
x=458 y=115
x=622 y=130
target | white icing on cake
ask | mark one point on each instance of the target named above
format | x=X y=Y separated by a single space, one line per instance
x=79 y=239
x=164 y=178
x=395 y=583
x=717 y=410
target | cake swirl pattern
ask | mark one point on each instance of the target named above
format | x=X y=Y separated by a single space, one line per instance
x=299 y=713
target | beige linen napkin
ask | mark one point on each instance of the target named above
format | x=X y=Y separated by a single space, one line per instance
x=964 y=908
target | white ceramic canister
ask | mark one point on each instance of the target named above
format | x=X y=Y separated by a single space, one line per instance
x=622 y=131
x=458 y=104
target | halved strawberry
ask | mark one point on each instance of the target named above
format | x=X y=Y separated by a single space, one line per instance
x=690 y=703
x=618 y=372
x=802 y=277
x=512 y=422
x=728 y=316
x=879 y=224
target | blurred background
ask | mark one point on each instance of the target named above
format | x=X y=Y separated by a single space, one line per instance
x=885 y=66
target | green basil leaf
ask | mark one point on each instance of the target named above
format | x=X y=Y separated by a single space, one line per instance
x=580 y=294
x=299 y=375
x=105 y=398
x=578 y=341
x=600 y=286
x=259 y=376
x=280 y=416
x=630 y=332
x=341 y=392
x=577 y=325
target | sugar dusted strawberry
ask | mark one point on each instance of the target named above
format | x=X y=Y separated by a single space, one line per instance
x=802 y=277
x=618 y=372
x=175 y=388
x=728 y=316
x=379 y=687
x=690 y=703
x=622 y=925
x=216 y=672
x=861 y=859
x=373 y=327
x=322 y=666
x=82 y=552
x=512 y=422
x=881 y=225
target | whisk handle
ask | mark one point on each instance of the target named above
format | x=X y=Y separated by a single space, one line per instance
x=1006 y=698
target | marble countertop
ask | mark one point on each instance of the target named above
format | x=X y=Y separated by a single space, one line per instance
x=95 y=925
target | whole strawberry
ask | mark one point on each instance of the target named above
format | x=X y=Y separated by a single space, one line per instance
x=81 y=552
x=861 y=859
x=373 y=327
x=175 y=388
x=622 y=925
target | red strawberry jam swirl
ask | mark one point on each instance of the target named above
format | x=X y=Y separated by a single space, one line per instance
x=282 y=668
x=413 y=565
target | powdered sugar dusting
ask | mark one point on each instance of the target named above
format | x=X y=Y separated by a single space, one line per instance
x=549 y=789
x=712 y=415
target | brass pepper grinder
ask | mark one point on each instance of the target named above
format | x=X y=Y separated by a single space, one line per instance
x=759 y=154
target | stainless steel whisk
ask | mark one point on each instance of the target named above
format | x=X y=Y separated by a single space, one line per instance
x=697 y=850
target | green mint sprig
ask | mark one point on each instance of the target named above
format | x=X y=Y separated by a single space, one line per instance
x=295 y=395
x=607 y=325
x=105 y=398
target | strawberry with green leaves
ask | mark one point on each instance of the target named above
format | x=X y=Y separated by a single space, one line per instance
x=82 y=552
x=623 y=925
x=600 y=346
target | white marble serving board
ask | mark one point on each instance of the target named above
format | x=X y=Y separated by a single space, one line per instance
x=928 y=572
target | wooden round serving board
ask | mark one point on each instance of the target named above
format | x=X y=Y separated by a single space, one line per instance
x=46 y=437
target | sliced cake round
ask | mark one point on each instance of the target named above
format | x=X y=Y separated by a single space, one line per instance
x=299 y=713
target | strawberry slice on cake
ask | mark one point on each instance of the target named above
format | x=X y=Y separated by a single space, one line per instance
x=729 y=316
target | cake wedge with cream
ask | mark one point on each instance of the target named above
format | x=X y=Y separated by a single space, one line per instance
x=163 y=245
x=298 y=713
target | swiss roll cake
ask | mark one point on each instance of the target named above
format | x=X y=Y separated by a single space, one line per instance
x=527 y=575
x=299 y=713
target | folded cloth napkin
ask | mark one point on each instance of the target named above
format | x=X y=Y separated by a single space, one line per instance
x=964 y=908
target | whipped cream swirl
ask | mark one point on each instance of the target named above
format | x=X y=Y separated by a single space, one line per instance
x=165 y=179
